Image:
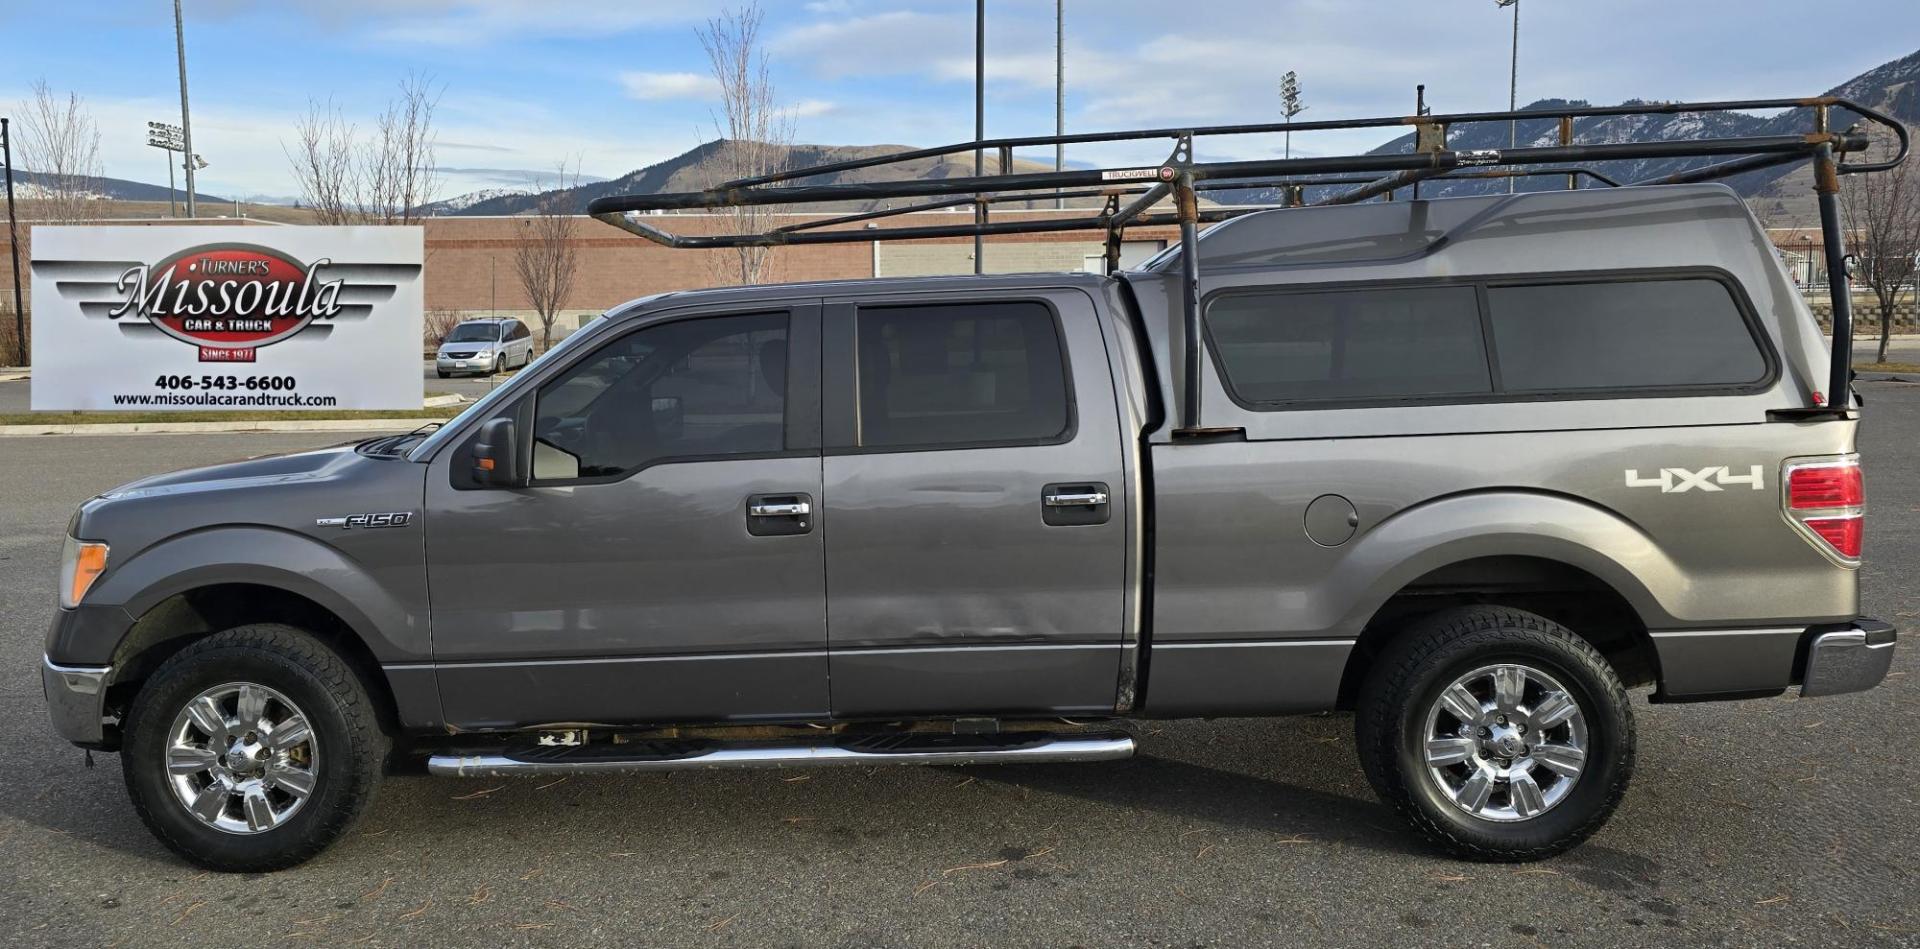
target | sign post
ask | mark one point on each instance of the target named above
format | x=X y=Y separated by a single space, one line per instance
x=13 y=244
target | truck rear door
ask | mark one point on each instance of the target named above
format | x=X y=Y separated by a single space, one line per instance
x=975 y=505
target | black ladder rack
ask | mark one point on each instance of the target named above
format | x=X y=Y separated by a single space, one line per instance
x=1131 y=193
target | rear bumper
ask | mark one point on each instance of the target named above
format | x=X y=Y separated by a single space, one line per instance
x=1829 y=659
x=76 y=700
x=1851 y=659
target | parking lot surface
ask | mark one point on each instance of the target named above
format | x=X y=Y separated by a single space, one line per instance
x=1766 y=823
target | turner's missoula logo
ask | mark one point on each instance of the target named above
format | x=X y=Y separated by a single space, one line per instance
x=228 y=299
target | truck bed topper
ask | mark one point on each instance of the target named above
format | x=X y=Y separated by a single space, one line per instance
x=1132 y=193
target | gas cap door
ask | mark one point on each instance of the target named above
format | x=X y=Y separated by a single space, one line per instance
x=1331 y=520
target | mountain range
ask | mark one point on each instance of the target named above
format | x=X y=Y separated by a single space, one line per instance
x=27 y=187
x=1892 y=87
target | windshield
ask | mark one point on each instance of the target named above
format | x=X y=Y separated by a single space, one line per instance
x=474 y=333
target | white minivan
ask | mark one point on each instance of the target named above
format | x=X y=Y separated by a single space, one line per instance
x=485 y=346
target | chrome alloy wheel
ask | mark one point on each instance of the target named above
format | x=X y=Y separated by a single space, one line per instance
x=1505 y=742
x=242 y=758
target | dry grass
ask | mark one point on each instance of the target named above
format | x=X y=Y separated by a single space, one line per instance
x=1887 y=367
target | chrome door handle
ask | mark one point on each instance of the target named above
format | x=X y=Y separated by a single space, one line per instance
x=788 y=509
x=1075 y=499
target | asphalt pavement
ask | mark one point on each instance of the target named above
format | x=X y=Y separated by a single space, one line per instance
x=1764 y=823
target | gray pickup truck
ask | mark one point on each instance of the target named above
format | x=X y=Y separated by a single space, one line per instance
x=1471 y=468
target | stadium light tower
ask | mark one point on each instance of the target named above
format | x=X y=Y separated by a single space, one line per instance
x=1513 y=80
x=1290 y=104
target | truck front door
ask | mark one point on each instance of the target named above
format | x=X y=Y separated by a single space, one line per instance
x=665 y=562
x=976 y=507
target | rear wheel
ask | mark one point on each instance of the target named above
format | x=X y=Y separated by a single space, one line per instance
x=1499 y=734
x=252 y=749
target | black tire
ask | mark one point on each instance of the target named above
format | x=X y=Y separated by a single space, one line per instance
x=346 y=729
x=1408 y=678
x=499 y=363
x=443 y=373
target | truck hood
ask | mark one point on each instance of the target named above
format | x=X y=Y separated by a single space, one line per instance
x=264 y=470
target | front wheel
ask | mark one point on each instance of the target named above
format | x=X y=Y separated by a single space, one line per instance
x=252 y=749
x=1499 y=734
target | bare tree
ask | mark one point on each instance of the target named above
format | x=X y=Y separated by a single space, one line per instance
x=59 y=143
x=1883 y=215
x=755 y=134
x=397 y=174
x=387 y=177
x=323 y=160
x=438 y=323
x=547 y=255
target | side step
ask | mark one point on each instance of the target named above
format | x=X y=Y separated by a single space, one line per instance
x=660 y=756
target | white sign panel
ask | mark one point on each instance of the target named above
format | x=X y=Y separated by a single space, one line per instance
x=226 y=318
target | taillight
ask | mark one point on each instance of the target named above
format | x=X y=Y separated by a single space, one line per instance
x=1825 y=498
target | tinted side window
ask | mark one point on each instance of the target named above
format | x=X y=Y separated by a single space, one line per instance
x=1367 y=343
x=1621 y=334
x=520 y=331
x=688 y=389
x=965 y=374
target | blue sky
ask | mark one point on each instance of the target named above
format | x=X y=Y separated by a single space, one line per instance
x=619 y=85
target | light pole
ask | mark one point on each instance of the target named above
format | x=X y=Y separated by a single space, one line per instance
x=1059 y=90
x=1290 y=104
x=186 y=123
x=1513 y=81
x=979 y=121
x=1809 y=239
x=169 y=139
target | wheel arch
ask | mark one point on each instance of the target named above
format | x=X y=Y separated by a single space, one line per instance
x=1562 y=557
x=190 y=615
x=1564 y=592
x=195 y=584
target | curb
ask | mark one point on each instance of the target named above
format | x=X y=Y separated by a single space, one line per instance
x=371 y=425
x=187 y=428
x=14 y=375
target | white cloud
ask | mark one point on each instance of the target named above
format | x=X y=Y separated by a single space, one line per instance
x=811 y=108
x=648 y=86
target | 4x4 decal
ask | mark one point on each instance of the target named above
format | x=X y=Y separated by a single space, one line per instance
x=1680 y=480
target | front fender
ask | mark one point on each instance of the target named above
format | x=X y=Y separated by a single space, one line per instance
x=376 y=603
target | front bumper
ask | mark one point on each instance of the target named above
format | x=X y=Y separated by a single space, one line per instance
x=76 y=700
x=1704 y=665
x=474 y=363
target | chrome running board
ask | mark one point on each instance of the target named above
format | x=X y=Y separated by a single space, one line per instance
x=598 y=761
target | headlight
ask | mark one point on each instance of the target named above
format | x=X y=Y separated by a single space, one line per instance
x=81 y=562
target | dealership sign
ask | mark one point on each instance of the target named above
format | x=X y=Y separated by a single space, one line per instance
x=225 y=318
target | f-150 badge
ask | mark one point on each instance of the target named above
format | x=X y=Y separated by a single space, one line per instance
x=391 y=519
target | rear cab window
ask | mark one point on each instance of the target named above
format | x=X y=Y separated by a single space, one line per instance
x=960 y=375
x=1495 y=339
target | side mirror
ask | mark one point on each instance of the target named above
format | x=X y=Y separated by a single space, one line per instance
x=496 y=455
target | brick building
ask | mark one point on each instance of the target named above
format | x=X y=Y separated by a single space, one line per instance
x=470 y=260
